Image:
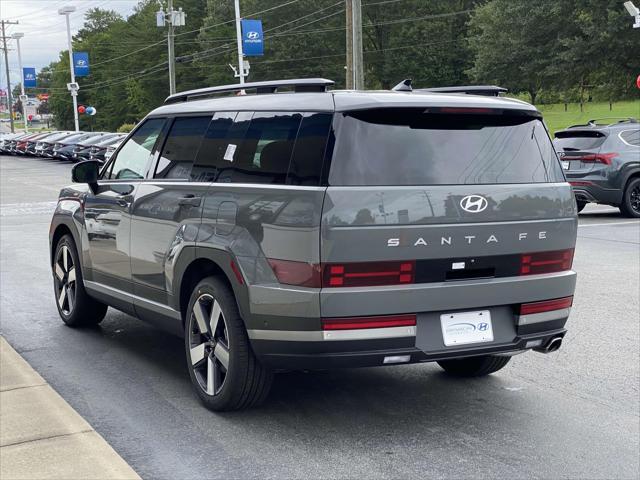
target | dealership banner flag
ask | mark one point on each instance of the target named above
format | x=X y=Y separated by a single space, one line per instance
x=252 y=38
x=81 y=64
x=29 y=75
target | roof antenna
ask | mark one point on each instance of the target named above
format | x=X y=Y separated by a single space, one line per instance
x=403 y=86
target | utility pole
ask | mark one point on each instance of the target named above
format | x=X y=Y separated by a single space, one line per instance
x=358 y=68
x=349 y=42
x=355 y=69
x=23 y=98
x=6 y=66
x=171 y=51
x=174 y=18
x=241 y=71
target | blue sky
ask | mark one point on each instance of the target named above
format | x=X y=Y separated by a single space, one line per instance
x=44 y=30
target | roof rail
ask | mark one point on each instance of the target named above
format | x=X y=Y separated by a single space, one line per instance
x=299 y=85
x=594 y=121
x=487 y=90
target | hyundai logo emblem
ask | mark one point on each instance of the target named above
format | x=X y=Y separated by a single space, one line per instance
x=474 y=203
x=81 y=63
x=483 y=327
x=253 y=35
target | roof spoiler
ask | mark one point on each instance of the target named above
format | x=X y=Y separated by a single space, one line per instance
x=485 y=90
x=298 y=85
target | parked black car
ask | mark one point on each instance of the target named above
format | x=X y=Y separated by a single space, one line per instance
x=63 y=149
x=602 y=163
x=82 y=150
x=45 y=148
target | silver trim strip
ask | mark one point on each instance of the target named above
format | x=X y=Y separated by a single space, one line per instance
x=332 y=335
x=543 y=316
x=135 y=299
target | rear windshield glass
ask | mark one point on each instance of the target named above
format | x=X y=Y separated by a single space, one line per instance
x=411 y=147
x=578 y=140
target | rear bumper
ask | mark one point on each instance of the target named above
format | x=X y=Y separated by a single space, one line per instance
x=308 y=347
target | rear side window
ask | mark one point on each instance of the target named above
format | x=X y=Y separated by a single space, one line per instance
x=411 y=147
x=181 y=147
x=578 y=140
x=631 y=137
x=263 y=147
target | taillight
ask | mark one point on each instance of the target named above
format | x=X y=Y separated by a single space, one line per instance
x=546 y=305
x=546 y=262
x=302 y=274
x=604 y=158
x=366 y=274
x=356 y=323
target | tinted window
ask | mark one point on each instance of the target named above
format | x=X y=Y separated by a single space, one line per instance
x=632 y=137
x=576 y=140
x=411 y=147
x=133 y=157
x=250 y=148
x=308 y=152
x=181 y=147
x=210 y=161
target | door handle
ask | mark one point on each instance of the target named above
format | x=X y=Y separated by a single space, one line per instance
x=190 y=200
x=123 y=200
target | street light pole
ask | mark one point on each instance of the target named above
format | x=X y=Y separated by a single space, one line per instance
x=241 y=72
x=6 y=66
x=73 y=86
x=23 y=98
x=171 y=52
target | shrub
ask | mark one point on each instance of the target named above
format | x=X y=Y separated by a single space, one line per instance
x=126 y=127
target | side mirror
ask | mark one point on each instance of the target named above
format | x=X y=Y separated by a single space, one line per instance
x=86 y=172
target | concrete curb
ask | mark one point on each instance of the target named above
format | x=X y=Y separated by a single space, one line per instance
x=41 y=436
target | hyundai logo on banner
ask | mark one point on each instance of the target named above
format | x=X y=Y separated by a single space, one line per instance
x=81 y=64
x=252 y=39
x=29 y=75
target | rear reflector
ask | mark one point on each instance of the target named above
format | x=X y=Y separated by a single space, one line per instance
x=302 y=274
x=546 y=305
x=581 y=184
x=546 y=262
x=368 y=274
x=356 y=323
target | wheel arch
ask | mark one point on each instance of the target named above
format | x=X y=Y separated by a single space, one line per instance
x=57 y=232
x=207 y=262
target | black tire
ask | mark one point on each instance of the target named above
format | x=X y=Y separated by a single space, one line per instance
x=581 y=205
x=75 y=306
x=243 y=382
x=474 y=366
x=630 y=206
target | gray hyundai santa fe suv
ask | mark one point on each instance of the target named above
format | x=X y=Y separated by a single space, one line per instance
x=304 y=228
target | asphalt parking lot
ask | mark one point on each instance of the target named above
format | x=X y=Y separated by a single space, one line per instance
x=571 y=414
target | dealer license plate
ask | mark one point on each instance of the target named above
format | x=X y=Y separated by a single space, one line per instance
x=466 y=327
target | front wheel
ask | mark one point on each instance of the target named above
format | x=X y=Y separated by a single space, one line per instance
x=630 y=206
x=474 y=366
x=223 y=369
x=75 y=306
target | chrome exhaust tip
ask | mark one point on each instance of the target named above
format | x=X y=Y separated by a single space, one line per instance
x=554 y=344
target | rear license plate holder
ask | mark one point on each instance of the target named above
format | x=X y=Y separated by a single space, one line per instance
x=464 y=328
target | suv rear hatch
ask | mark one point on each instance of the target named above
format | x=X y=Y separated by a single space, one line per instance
x=423 y=195
x=579 y=149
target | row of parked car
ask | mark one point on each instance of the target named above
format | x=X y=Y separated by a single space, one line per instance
x=63 y=145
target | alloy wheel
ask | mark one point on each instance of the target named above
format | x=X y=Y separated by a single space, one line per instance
x=634 y=198
x=65 y=272
x=209 y=344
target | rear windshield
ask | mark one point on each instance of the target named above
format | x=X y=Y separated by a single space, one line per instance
x=411 y=147
x=578 y=140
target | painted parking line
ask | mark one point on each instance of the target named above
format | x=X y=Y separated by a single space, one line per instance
x=609 y=223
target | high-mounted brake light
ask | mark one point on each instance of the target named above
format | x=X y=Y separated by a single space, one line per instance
x=546 y=305
x=368 y=274
x=465 y=110
x=546 y=262
x=356 y=323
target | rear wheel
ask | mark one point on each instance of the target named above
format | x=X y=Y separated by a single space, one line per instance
x=223 y=369
x=630 y=206
x=75 y=306
x=474 y=366
x=581 y=205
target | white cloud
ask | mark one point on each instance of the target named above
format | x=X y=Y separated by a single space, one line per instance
x=45 y=32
